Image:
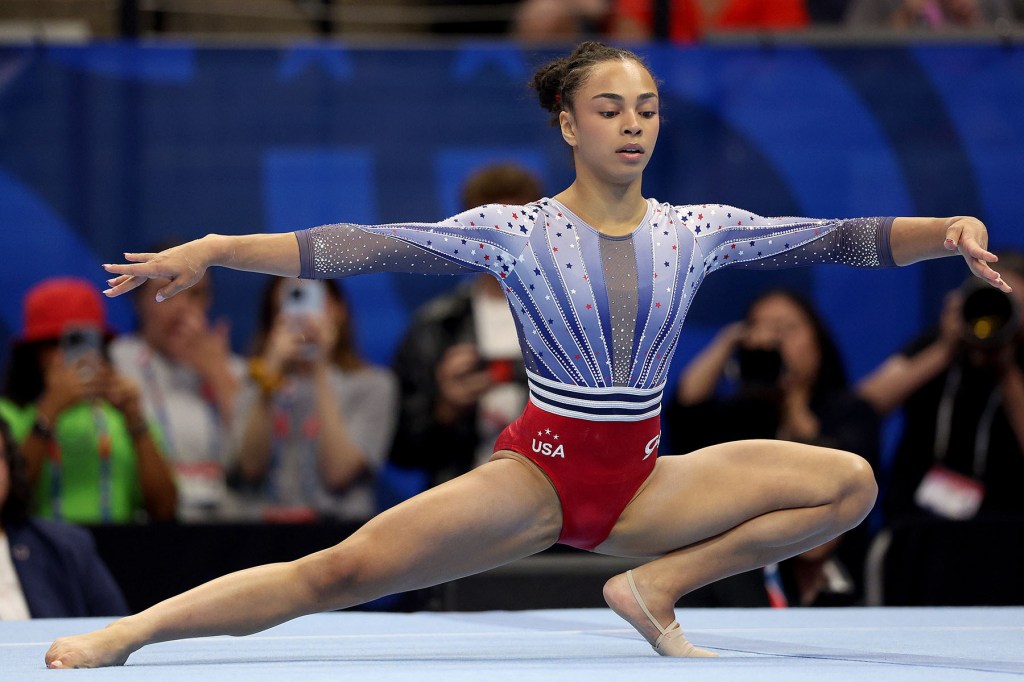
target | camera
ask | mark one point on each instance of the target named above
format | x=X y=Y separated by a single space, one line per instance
x=759 y=367
x=991 y=317
x=303 y=298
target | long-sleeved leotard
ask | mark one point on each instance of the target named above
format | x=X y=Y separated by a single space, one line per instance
x=592 y=310
x=598 y=317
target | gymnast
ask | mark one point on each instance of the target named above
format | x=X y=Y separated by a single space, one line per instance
x=599 y=280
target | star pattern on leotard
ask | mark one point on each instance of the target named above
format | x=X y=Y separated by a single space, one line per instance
x=594 y=310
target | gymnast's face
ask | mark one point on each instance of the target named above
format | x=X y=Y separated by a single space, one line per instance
x=614 y=122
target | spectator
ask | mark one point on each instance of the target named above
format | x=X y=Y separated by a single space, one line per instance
x=90 y=452
x=961 y=389
x=315 y=420
x=189 y=381
x=47 y=569
x=540 y=20
x=689 y=20
x=791 y=385
x=928 y=14
x=460 y=371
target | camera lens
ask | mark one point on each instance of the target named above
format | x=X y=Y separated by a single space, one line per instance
x=991 y=318
x=760 y=367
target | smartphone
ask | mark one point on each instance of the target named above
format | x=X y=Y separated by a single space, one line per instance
x=303 y=298
x=81 y=342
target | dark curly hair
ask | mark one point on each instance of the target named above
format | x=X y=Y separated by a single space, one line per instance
x=19 y=495
x=557 y=82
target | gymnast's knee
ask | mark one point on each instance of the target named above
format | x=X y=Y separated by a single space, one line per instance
x=333 y=573
x=858 y=487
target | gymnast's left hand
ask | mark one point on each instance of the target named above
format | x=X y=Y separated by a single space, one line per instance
x=184 y=265
x=969 y=237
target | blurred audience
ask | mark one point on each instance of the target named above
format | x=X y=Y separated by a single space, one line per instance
x=961 y=390
x=928 y=14
x=790 y=383
x=551 y=20
x=689 y=20
x=48 y=569
x=189 y=381
x=315 y=420
x=460 y=370
x=90 y=451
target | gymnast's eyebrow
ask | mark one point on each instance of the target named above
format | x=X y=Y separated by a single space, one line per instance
x=619 y=98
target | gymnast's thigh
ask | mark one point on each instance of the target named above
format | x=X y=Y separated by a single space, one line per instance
x=503 y=510
x=692 y=497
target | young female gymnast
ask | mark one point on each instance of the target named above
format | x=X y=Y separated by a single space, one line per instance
x=599 y=280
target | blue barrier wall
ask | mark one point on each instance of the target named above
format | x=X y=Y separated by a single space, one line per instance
x=113 y=147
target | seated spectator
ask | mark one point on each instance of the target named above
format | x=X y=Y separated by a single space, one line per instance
x=689 y=20
x=791 y=385
x=189 y=381
x=47 y=569
x=460 y=370
x=90 y=451
x=961 y=390
x=928 y=14
x=315 y=420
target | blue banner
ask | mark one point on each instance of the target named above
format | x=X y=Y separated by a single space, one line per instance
x=114 y=147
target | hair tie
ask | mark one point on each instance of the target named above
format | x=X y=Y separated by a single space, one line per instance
x=558 y=98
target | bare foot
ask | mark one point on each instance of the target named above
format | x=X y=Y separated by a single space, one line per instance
x=109 y=646
x=665 y=636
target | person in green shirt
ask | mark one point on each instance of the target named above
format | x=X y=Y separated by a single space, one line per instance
x=91 y=455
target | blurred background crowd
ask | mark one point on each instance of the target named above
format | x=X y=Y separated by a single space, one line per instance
x=528 y=20
x=247 y=405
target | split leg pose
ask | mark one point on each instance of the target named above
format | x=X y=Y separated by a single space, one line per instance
x=707 y=515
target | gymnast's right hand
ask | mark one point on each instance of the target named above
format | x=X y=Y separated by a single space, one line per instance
x=184 y=265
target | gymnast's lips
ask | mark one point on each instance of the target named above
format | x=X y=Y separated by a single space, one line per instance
x=630 y=149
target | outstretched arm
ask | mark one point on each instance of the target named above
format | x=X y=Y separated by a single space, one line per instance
x=917 y=239
x=274 y=254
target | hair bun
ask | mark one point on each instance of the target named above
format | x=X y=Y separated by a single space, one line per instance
x=548 y=84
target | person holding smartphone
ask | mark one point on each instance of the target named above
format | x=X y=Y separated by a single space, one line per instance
x=89 y=449
x=314 y=420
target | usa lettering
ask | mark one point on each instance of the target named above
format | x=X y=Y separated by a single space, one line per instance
x=548 y=449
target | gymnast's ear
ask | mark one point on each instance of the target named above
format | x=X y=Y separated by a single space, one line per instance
x=568 y=127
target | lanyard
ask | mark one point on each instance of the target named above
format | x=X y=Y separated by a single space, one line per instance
x=282 y=408
x=944 y=422
x=104 y=448
x=163 y=415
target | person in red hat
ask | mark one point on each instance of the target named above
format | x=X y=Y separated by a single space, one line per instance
x=91 y=455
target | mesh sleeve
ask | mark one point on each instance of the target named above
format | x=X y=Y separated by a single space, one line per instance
x=858 y=242
x=482 y=239
x=345 y=250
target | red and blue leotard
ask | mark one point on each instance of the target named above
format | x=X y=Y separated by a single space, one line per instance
x=598 y=317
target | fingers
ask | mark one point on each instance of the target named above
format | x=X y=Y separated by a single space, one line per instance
x=954 y=230
x=122 y=285
x=970 y=247
x=985 y=272
x=139 y=257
